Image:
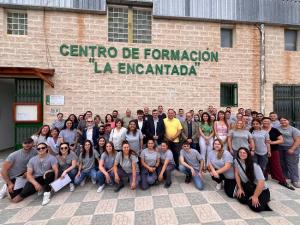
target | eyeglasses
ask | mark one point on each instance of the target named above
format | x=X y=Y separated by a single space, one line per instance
x=41 y=148
x=89 y=121
x=64 y=148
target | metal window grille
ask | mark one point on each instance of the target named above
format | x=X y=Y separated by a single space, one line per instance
x=118 y=24
x=290 y=40
x=226 y=38
x=142 y=24
x=229 y=94
x=17 y=23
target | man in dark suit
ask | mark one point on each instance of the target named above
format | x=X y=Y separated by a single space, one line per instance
x=142 y=125
x=190 y=131
x=156 y=128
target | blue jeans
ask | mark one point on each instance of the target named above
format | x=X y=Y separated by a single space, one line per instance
x=72 y=174
x=101 y=178
x=92 y=173
x=197 y=180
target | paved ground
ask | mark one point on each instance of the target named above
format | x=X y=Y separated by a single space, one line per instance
x=180 y=204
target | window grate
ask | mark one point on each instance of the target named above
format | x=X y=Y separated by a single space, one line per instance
x=142 y=26
x=17 y=23
x=229 y=94
x=118 y=24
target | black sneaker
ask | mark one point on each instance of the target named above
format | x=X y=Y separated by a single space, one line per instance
x=188 y=179
x=287 y=186
x=167 y=184
x=119 y=187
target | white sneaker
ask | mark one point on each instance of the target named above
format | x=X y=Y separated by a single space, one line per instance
x=3 y=191
x=82 y=183
x=72 y=187
x=46 y=198
x=100 y=189
x=93 y=181
x=219 y=186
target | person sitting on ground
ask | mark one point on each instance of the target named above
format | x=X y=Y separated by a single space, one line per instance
x=15 y=166
x=191 y=164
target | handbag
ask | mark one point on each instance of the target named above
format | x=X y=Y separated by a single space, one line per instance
x=248 y=186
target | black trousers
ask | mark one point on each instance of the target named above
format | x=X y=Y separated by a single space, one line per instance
x=29 y=188
x=229 y=184
x=168 y=172
x=175 y=148
x=15 y=192
x=264 y=198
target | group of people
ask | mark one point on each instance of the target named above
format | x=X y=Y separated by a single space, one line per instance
x=238 y=151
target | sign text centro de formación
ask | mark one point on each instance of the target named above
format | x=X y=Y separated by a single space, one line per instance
x=135 y=59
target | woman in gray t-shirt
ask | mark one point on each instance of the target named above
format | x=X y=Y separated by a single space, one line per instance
x=149 y=162
x=251 y=186
x=239 y=137
x=261 y=140
x=167 y=164
x=87 y=164
x=220 y=165
x=134 y=137
x=107 y=160
x=126 y=165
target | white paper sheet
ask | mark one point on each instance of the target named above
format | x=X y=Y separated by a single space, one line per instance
x=20 y=183
x=60 y=183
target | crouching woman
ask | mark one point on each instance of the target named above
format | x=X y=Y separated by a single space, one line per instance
x=126 y=165
x=220 y=165
x=251 y=186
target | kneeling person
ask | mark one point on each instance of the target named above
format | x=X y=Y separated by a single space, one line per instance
x=167 y=164
x=220 y=165
x=150 y=162
x=15 y=166
x=42 y=170
x=191 y=164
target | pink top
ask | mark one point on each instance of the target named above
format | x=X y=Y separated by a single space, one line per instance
x=222 y=129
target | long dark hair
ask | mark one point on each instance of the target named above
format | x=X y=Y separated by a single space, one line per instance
x=134 y=131
x=38 y=133
x=113 y=148
x=249 y=164
x=64 y=143
x=90 y=150
x=65 y=125
x=225 y=120
x=75 y=122
x=254 y=120
x=208 y=120
x=98 y=146
x=131 y=152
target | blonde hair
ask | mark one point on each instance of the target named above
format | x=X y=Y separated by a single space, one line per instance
x=221 y=151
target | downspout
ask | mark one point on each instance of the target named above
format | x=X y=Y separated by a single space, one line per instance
x=262 y=73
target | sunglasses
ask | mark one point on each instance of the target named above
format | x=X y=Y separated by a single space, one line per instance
x=63 y=148
x=89 y=121
x=41 y=148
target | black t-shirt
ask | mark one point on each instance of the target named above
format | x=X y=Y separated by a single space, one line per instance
x=274 y=134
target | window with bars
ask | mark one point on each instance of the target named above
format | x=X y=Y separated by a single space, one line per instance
x=141 y=26
x=118 y=24
x=290 y=40
x=229 y=94
x=17 y=23
x=126 y=24
x=226 y=37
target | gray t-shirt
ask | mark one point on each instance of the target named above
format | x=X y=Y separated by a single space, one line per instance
x=219 y=163
x=19 y=160
x=109 y=160
x=240 y=138
x=126 y=163
x=64 y=164
x=59 y=124
x=192 y=157
x=150 y=157
x=88 y=163
x=40 y=166
x=68 y=135
x=134 y=140
x=289 y=135
x=258 y=174
x=260 y=138
x=167 y=155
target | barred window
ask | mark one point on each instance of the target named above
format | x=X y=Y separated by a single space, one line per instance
x=118 y=24
x=127 y=24
x=16 y=23
x=229 y=94
x=141 y=26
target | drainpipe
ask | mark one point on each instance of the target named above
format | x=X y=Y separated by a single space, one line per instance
x=262 y=73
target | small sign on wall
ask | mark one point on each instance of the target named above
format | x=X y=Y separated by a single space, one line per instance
x=55 y=100
x=27 y=112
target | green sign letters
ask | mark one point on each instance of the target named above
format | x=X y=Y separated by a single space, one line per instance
x=134 y=54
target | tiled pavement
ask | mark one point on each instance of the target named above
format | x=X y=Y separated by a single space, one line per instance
x=180 y=204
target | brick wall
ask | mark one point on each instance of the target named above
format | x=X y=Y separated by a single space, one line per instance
x=84 y=90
